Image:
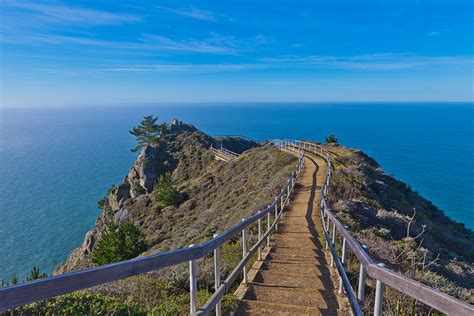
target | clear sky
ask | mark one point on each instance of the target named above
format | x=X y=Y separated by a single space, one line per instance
x=70 y=53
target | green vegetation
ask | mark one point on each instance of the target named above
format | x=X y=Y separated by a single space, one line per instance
x=35 y=274
x=148 y=132
x=101 y=202
x=81 y=303
x=165 y=192
x=331 y=139
x=122 y=242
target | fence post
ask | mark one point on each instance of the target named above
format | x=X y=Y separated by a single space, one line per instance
x=343 y=261
x=276 y=215
x=379 y=291
x=362 y=275
x=333 y=240
x=192 y=285
x=259 y=237
x=268 y=227
x=244 y=251
x=327 y=229
x=217 y=277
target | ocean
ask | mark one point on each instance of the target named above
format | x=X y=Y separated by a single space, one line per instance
x=55 y=164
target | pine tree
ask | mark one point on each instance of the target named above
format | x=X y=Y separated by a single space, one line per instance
x=331 y=139
x=165 y=192
x=148 y=132
x=122 y=242
x=35 y=274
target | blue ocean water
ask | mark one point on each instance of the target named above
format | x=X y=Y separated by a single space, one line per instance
x=56 y=163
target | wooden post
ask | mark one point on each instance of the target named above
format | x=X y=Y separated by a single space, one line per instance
x=259 y=237
x=343 y=261
x=217 y=277
x=244 y=251
x=268 y=227
x=327 y=230
x=362 y=276
x=333 y=241
x=192 y=285
x=276 y=215
x=379 y=291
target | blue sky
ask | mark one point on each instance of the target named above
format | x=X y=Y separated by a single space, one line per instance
x=71 y=53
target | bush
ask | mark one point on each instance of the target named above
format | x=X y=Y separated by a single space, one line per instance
x=81 y=303
x=35 y=274
x=164 y=191
x=122 y=242
x=331 y=139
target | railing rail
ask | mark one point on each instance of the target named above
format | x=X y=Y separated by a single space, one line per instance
x=224 y=153
x=383 y=276
x=28 y=292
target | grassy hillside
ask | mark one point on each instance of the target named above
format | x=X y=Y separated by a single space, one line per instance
x=400 y=228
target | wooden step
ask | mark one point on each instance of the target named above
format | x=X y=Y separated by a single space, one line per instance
x=291 y=280
x=285 y=295
x=249 y=307
x=286 y=266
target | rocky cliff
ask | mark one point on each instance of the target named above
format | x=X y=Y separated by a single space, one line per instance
x=216 y=195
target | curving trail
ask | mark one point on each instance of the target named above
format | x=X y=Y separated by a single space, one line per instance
x=294 y=277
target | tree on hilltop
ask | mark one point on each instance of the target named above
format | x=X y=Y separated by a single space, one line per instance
x=331 y=139
x=148 y=132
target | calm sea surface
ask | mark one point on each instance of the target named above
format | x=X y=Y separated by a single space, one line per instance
x=55 y=163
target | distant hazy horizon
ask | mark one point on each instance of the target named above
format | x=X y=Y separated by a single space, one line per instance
x=233 y=104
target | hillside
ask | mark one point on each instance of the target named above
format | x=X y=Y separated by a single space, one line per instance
x=400 y=227
x=215 y=195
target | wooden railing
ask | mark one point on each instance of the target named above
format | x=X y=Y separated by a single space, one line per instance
x=383 y=276
x=25 y=293
x=224 y=154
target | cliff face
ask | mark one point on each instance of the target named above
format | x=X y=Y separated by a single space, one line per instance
x=400 y=227
x=216 y=194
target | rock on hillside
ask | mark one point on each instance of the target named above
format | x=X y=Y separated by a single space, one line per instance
x=216 y=194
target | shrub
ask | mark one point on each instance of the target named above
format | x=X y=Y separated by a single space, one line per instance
x=331 y=139
x=81 y=303
x=35 y=274
x=165 y=192
x=122 y=242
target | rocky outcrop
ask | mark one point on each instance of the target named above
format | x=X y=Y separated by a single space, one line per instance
x=184 y=152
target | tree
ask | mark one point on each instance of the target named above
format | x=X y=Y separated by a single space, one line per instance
x=120 y=242
x=165 y=192
x=148 y=132
x=331 y=139
x=35 y=274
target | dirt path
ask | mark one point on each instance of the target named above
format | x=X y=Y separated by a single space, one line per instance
x=294 y=278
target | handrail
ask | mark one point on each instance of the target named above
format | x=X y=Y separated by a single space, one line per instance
x=17 y=295
x=384 y=277
x=224 y=153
